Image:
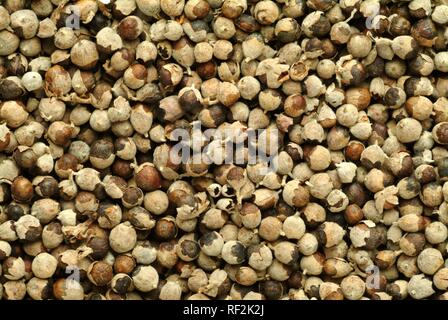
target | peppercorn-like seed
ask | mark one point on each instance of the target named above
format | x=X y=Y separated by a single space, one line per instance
x=148 y=178
x=124 y=264
x=68 y=289
x=100 y=273
x=22 y=189
x=107 y=162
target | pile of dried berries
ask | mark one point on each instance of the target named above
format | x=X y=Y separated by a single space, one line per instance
x=352 y=94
